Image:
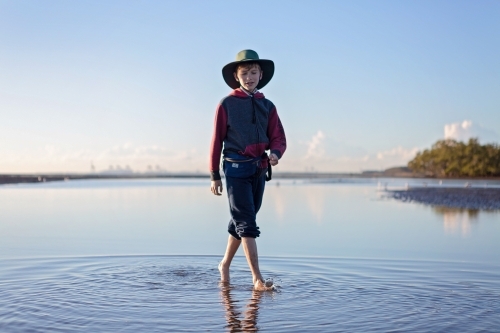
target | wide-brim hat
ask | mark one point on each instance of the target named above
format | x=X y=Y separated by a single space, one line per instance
x=267 y=67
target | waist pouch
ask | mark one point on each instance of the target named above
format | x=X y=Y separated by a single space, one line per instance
x=238 y=166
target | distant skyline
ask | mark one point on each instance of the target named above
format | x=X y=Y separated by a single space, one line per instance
x=359 y=85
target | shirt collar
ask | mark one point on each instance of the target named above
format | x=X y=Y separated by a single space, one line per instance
x=249 y=94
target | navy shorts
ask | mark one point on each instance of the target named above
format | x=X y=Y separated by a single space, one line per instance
x=245 y=184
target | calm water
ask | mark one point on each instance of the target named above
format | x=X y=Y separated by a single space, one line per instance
x=141 y=255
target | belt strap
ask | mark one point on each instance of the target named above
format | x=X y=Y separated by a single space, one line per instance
x=269 y=172
x=235 y=160
x=255 y=159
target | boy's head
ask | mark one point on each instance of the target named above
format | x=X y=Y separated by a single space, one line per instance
x=248 y=74
x=248 y=71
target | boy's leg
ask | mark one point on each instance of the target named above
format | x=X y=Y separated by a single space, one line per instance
x=233 y=241
x=245 y=198
x=232 y=246
x=250 y=248
x=240 y=192
x=258 y=186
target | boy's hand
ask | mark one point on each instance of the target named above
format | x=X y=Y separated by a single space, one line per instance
x=216 y=187
x=273 y=159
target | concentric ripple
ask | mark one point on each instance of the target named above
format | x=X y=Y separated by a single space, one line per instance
x=182 y=294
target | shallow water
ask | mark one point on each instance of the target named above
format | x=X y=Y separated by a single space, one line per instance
x=80 y=256
x=181 y=294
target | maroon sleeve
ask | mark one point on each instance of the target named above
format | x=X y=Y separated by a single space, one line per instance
x=276 y=134
x=220 y=130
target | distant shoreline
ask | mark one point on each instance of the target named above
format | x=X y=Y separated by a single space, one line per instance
x=47 y=177
x=42 y=178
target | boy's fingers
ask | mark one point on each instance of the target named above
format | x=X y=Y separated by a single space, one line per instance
x=217 y=189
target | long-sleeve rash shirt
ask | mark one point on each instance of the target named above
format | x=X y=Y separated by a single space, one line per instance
x=247 y=125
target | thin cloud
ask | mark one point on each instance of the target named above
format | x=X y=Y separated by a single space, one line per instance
x=53 y=158
x=463 y=131
x=316 y=147
x=322 y=154
x=398 y=153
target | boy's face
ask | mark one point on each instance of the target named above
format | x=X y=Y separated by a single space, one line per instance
x=248 y=77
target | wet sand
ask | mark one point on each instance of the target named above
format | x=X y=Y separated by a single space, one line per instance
x=466 y=198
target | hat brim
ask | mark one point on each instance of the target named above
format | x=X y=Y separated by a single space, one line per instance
x=267 y=67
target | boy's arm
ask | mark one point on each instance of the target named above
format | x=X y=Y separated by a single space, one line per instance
x=276 y=134
x=220 y=130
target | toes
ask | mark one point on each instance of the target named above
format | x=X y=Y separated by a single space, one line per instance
x=264 y=286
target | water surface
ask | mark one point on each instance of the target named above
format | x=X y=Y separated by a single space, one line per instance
x=141 y=255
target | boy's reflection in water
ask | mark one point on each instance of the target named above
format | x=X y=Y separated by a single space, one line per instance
x=250 y=313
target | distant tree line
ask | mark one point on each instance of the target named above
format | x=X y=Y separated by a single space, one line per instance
x=451 y=158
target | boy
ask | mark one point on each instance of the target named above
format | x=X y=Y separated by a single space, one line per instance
x=246 y=125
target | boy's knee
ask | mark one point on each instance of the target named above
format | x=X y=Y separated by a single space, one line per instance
x=251 y=232
x=234 y=234
x=244 y=230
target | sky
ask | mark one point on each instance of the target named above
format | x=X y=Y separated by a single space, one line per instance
x=359 y=85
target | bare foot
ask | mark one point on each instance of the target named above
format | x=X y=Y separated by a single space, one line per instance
x=261 y=285
x=224 y=273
